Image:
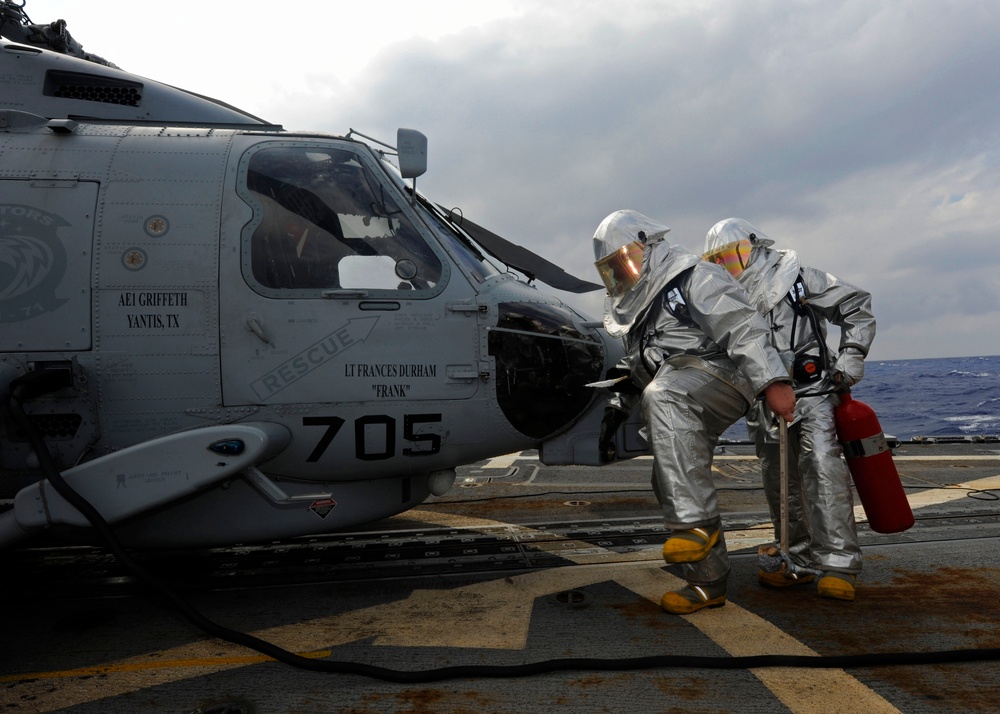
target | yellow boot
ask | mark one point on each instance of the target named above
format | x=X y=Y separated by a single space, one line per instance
x=690 y=546
x=838 y=586
x=692 y=598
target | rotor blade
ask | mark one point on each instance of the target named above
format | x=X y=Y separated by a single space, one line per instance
x=532 y=265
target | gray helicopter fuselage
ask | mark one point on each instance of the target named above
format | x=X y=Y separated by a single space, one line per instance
x=194 y=266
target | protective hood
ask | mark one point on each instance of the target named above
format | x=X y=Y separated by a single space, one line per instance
x=732 y=230
x=624 y=227
x=769 y=277
x=661 y=262
x=770 y=273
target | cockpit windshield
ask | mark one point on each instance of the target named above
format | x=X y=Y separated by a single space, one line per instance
x=474 y=262
x=323 y=220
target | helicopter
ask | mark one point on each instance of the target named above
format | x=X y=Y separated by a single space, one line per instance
x=217 y=331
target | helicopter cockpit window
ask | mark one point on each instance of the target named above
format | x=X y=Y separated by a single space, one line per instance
x=476 y=263
x=327 y=222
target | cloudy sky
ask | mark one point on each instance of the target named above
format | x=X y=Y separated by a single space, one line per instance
x=865 y=135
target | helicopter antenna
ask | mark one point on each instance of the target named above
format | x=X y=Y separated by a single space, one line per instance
x=15 y=25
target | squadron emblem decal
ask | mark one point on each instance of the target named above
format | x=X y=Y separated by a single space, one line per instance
x=32 y=262
x=323 y=507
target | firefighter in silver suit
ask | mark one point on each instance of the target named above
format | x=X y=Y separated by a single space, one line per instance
x=700 y=354
x=800 y=302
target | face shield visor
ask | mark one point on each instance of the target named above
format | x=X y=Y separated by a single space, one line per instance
x=620 y=269
x=734 y=257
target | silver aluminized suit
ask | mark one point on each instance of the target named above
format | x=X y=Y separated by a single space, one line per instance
x=699 y=370
x=822 y=531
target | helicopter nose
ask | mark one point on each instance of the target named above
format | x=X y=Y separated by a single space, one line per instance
x=543 y=362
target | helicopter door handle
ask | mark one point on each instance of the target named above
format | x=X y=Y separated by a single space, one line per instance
x=466 y=373
x=467 y=307
x=254 y=325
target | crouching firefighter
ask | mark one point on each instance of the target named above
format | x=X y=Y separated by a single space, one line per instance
x=799 y=302
x=700 y=354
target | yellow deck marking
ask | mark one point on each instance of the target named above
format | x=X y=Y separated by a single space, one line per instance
x=981 y=457
x=132 y=666
x=936 y=496
x=741 y=633
x=959 y=491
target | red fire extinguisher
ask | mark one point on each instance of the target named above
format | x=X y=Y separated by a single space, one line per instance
x=870 y=461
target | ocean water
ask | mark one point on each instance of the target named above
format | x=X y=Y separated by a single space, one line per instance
x=947 y=397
